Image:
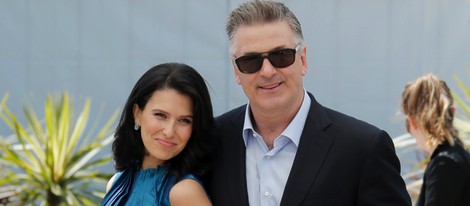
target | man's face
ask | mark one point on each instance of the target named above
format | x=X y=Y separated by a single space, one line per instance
x=270 y=88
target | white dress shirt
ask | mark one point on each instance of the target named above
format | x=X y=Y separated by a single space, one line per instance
x=267 y=170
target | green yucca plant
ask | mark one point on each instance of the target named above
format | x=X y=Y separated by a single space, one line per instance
x=416 y=161
x=49 y=160
x=462 y=121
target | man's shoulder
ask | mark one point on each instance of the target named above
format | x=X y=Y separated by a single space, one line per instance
x=347 y=128
x=335 y=118
x=232 y=114
x=341 y=118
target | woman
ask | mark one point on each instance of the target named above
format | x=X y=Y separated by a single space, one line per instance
x=163 y=140
x=428 y=105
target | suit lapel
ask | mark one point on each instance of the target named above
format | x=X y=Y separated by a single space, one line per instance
x=312 y=151
x=235 y=165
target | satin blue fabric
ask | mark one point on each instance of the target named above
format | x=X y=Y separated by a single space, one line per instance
x=143 y=187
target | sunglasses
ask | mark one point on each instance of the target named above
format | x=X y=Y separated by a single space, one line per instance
x=282 y=58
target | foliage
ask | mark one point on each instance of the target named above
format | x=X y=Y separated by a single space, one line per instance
x=415 y=159
x=50 y=161
x=462 y=121
x=412 y=158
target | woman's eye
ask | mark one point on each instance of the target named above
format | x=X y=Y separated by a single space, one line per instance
x=160 y=115
x=186 y=121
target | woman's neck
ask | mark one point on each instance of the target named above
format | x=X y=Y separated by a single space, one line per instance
x=150 y=162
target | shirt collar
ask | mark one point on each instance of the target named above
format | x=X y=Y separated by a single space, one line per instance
x=293 y=130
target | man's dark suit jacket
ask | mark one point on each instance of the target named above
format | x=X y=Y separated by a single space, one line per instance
x=340 y=161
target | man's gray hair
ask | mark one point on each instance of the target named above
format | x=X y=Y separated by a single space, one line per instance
x=258 y=12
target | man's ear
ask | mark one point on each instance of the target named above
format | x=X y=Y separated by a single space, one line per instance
x=235 y=71
x=303 y=58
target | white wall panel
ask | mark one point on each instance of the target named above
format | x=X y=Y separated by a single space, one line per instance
x=360 y=52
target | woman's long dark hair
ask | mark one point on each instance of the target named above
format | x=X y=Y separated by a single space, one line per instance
x=128 y=148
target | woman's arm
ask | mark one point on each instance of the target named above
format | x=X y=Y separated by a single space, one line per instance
x=110 y=183
x=188 y=192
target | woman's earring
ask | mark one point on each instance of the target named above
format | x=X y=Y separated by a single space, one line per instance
x=136 y=126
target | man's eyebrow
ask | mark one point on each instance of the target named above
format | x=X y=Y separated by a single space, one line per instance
x=271 y=50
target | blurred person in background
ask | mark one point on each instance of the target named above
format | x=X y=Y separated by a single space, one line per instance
x=427 y=103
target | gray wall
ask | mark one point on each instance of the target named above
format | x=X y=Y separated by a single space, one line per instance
x=360 y=52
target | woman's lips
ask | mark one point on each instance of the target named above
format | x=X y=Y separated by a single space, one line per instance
x=166 y=143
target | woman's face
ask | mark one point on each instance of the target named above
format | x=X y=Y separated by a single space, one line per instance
x=166 y=123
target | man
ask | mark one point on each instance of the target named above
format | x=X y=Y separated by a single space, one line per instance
x=283 y=147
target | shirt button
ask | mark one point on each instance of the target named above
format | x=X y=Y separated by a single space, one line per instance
x=266 y=194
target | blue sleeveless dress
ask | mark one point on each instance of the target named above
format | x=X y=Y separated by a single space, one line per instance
x=142 y=187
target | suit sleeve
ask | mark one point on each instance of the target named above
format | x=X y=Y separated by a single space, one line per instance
x=381 y=182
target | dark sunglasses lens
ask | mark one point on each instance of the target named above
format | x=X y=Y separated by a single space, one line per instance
x=253 y=63
x=249 y=64
x=282 y=58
